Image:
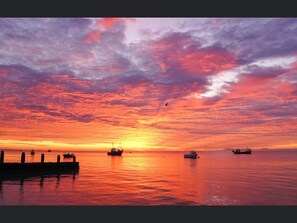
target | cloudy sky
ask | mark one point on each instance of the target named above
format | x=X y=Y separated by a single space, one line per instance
x=83 y=83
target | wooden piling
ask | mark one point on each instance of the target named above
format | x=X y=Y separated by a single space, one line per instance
x=23 y=157
x=2 y=157
x=58 y=159
x=74 y=159
x=42 y=158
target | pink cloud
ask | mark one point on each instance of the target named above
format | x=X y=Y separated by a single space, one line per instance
x=206 y=61
x=180 y=51
x=294 y=66
x=217 y=22
x=108 y=23
x=92 y=37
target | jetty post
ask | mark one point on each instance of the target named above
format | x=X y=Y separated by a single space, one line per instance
x=42 y=158
x=23 y=157
x=74 y=159
x=2 y=157
x=58 y=159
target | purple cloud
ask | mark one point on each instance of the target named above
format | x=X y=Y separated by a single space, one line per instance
x=48 y=71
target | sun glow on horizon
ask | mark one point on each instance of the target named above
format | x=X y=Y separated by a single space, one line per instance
x=148 y=83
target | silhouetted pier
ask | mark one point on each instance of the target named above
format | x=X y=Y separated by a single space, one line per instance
x=36 y=168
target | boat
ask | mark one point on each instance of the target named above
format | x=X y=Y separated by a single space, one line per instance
x=68 y=155
x=193 y=154
x=32 y=152
x=242 y=151
x=115 y=151
x=49 y=150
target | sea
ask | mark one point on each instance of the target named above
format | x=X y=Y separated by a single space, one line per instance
x=157 y=178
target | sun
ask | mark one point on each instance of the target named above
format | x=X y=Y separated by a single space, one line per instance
x=138 y=139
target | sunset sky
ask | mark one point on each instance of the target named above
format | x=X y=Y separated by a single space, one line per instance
x=83 y=83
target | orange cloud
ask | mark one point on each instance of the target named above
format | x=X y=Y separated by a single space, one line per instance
x=62 y=110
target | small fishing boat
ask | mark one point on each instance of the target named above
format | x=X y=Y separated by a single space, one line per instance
x=242 y=151
x=192 y=154
x=68 y=155
x=115 y=151
x=32 y=152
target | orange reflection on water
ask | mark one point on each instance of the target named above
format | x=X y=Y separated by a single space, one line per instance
x=163 y=178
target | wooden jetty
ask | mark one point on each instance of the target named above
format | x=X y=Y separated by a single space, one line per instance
x=36 y=168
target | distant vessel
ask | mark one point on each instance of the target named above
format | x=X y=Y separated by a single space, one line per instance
x=115 y=152
x=49 y=150
x=32 y=152
x=242 y=151
x=68 y=155
x=192 y=154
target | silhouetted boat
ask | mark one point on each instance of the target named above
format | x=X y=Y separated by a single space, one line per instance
x=115 y=152
x=242 y=151
x=68 y=155
x=32 y=152
x=192 y=154
x=49 y=150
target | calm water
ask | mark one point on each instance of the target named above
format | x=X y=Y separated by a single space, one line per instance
x=160 y=178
